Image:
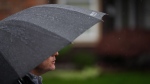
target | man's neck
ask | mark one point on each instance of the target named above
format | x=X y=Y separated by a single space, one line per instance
x=34 y=72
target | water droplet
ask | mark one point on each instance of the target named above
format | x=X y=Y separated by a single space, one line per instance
x=25 y=38
x=7 y=46
x=11 y=40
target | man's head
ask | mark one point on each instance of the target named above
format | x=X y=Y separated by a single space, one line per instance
x=46 y=65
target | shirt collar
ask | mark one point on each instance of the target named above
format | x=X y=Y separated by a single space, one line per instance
x=34 y=78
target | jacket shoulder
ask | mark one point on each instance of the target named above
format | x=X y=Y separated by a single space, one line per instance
x=24 y=80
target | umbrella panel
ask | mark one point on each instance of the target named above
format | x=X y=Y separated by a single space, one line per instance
x=24 y=51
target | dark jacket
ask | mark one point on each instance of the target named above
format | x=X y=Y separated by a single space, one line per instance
x=30 y=79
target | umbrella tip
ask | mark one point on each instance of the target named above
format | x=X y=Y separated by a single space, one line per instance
x=104 y=14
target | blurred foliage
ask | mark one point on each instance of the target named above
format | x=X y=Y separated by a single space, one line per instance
x=94 y=76
x=66 y=49
x=86 y=73
x=63 y=52
x=83 y=59
x=79 y=57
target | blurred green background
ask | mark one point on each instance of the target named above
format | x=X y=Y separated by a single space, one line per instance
x=93 y=76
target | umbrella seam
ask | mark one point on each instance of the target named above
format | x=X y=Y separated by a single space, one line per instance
x=40 y=27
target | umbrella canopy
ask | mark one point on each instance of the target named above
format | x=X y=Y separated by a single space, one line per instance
x=29 y=37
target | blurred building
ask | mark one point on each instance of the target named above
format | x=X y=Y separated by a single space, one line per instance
x=126 y=34
x=129 y=14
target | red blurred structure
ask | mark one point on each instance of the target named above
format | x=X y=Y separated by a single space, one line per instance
x=125 y=43
x=8 y=7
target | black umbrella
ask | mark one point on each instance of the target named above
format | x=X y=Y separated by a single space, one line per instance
x=29 y=37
